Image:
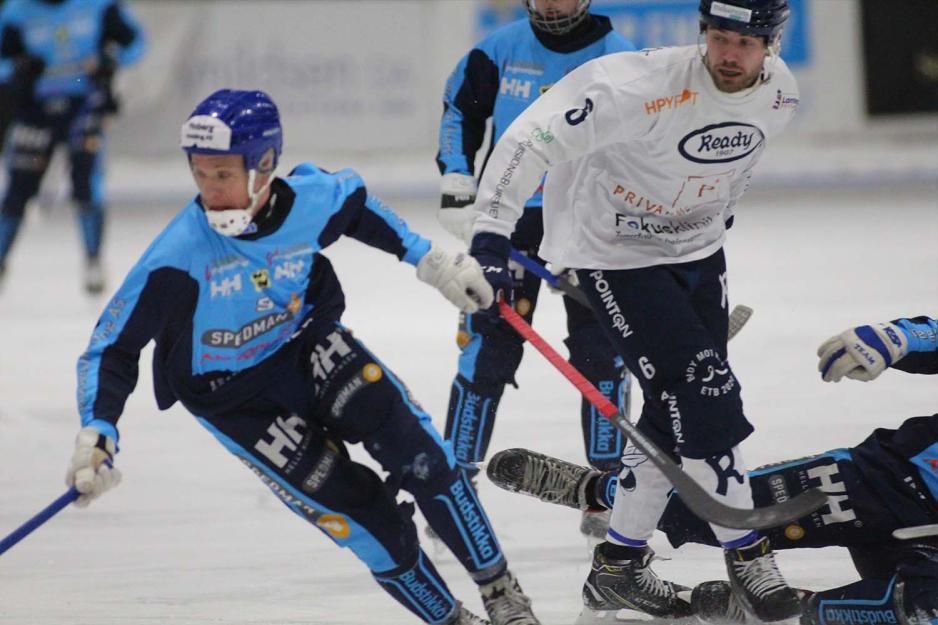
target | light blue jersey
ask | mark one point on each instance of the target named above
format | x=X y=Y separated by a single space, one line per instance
x=221 y=306
x=69 y=37
x=502 y=75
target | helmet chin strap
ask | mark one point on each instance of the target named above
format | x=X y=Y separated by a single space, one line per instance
x=234 y=221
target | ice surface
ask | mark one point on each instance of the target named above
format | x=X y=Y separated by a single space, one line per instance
x=192 y=538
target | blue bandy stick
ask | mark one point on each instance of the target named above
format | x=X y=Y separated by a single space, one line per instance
x=41 y=517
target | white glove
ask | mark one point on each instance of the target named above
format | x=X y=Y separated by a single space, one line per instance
x=457 y=196
x=91 y=469
x=458 y=276
x=862 y=353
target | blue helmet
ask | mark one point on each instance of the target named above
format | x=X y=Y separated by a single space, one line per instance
x=236 y=122
x=757 y=18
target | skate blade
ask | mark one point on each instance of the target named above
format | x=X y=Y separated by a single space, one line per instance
x=627 y=617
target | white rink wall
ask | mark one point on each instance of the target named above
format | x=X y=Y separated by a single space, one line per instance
x=359 y=83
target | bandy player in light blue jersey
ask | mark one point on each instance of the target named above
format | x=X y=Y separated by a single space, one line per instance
x=246 y=314
x=498 y=79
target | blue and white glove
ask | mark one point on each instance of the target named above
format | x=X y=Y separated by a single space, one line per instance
x=492 y=250
x=457 y=196
x=862 y=353
x=91 y=470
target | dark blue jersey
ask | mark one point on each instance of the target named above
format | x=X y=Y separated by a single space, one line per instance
x=503 y=75
x=223 y=310
x=70 y=38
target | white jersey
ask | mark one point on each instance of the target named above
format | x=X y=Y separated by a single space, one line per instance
x=646 y=159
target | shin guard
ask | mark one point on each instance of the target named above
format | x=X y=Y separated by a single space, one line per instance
x=471 y=418
x=419 y=588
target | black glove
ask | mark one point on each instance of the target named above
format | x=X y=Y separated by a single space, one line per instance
x=492 y=250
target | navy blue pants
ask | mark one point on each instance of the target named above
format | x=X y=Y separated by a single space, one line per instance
x=292 y=435
x=33 y=137
x=669 y=323
x=491 y=353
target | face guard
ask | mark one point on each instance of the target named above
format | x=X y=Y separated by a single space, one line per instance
x=559 y=25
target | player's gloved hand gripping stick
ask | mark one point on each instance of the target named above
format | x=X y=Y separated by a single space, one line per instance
x=91 y=472
x=696 y=498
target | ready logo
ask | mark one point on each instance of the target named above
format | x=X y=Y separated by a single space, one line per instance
x=784 y=100
x=670 y=102
x=721 y=143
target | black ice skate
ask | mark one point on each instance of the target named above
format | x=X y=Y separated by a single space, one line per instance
x=506 y=603
x=549 y=479
x=462 y=616
x=714 y=602
x=758 y=584
x=629 y=583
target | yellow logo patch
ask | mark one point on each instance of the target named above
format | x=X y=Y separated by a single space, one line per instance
x=794 y=532
x=372 y=372
x=334 y=524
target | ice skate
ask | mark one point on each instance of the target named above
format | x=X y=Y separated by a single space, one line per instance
x=94 y=276
x=506 y=603
x=758 y=584
x=715 y=604
x=462 y=616
x=549 y=479
x=629 y=583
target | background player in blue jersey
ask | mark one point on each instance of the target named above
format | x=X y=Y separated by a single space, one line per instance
x=887 y=482
x=64 y=55
x=497 y=80
x=245 y=313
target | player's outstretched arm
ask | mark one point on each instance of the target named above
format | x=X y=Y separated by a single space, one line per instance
x=864 y=352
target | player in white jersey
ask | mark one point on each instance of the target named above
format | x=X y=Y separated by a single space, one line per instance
x=646 y=154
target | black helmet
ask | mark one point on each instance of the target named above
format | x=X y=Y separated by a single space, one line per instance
x=556 y=25
x=758 y=18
